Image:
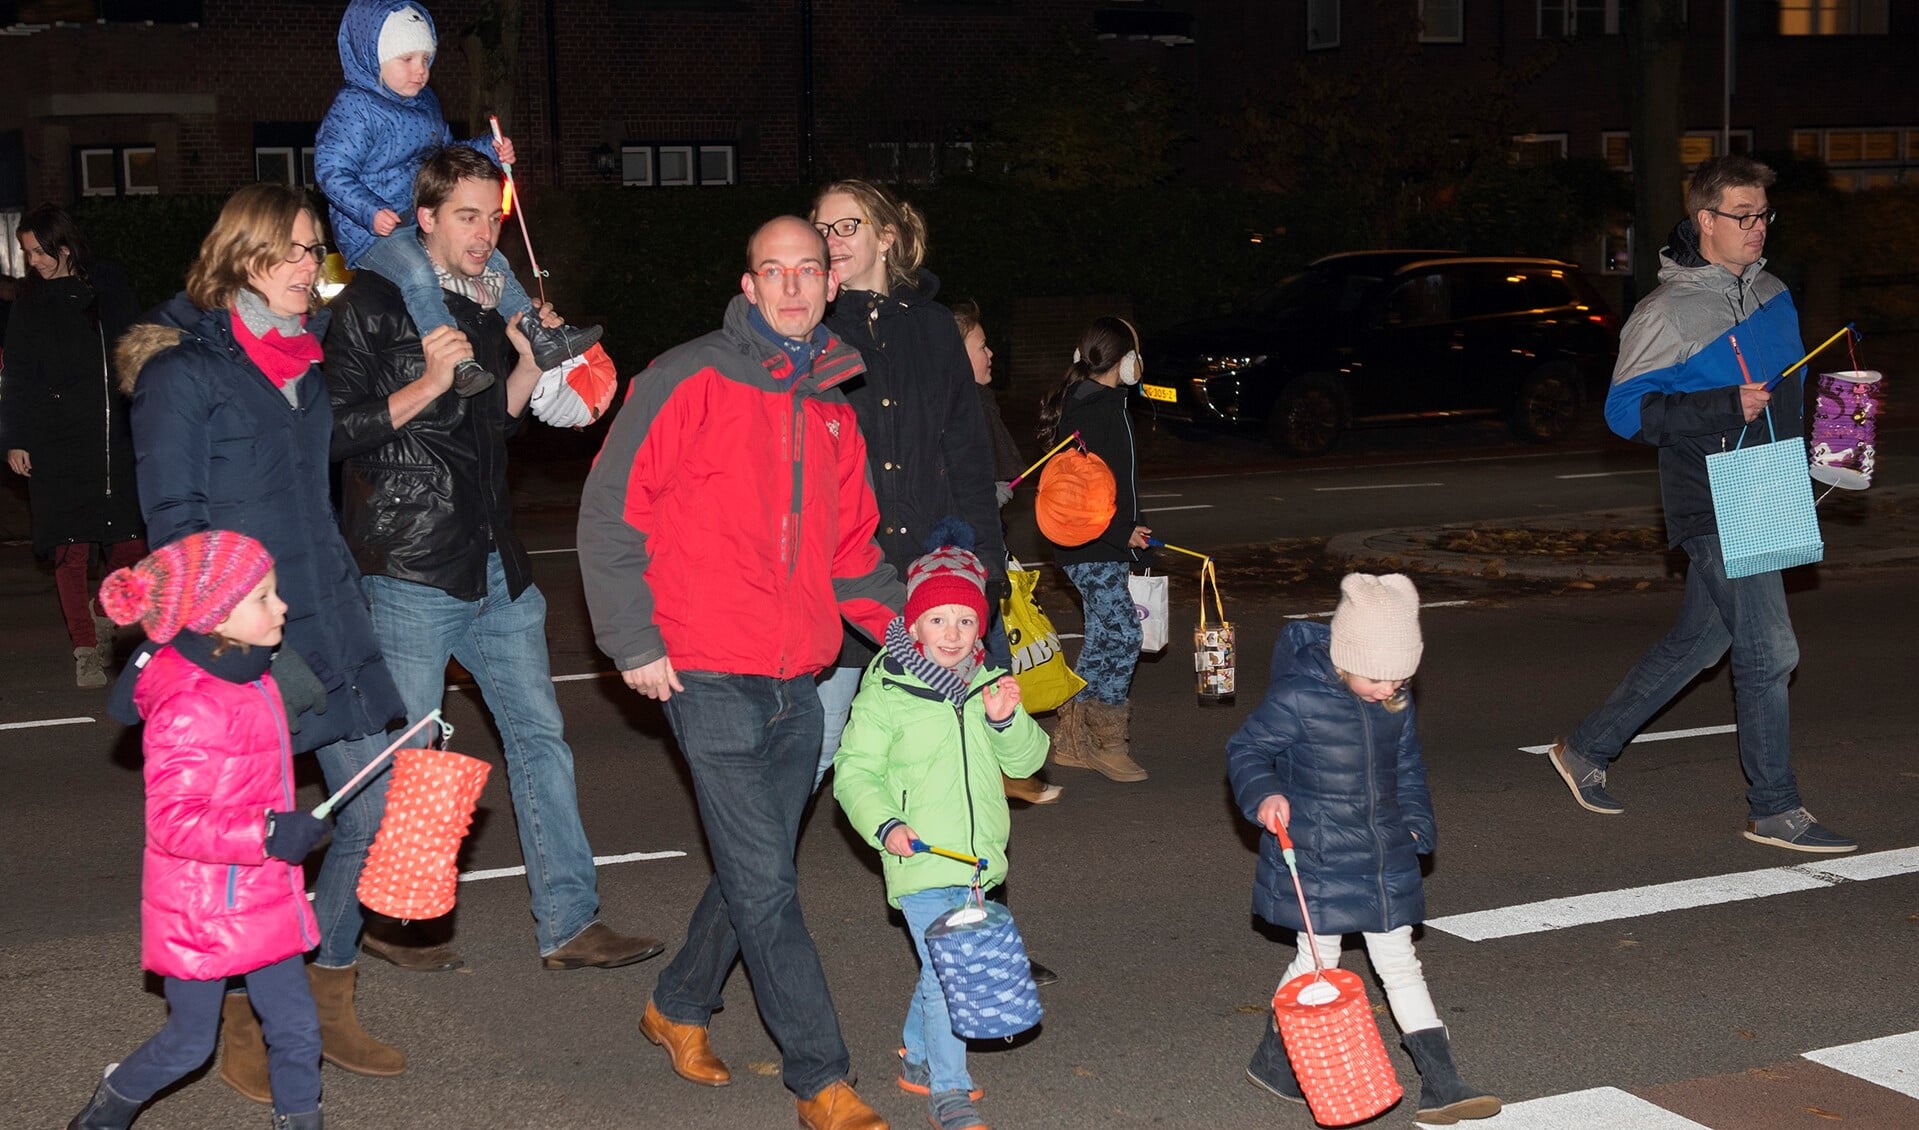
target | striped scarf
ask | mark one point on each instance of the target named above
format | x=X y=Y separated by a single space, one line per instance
x=484 y=288
x=951 y=683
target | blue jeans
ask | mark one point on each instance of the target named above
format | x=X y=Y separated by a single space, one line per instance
x=752 y=743
x=1111 y=650
x=928 y=1034
x=1749 y=616
x=837 y=686
x=336 y=891
x=278 y=992
x=399 y=259
x=502 y=641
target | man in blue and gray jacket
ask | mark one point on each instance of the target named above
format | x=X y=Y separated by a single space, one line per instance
x=1694 y=360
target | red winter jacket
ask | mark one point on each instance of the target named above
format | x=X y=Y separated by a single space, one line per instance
x=212 y=902
x=728 y=521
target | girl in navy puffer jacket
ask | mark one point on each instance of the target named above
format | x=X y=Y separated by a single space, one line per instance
x=221 y=891
x=1332 y=754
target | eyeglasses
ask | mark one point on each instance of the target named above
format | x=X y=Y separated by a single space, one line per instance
x=806 y=272
x=299 y=251
x=842 y=228
x=1747 y=220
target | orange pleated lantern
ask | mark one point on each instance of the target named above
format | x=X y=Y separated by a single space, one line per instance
x=412 y=868
x=1333 y=1043
x=1077 y=498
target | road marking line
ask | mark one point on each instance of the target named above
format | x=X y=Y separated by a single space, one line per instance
x=1608 y=474
x=1159 y=494
x=1684 y=894
x=1582 y=1110
x=564 y=549
x=1163 y=509
x=1890 y=1061
x=598 y=861
x=1660 y=736
x=45 y=722
x=1428 y=604
x=1377 y=486
x=1347 y=467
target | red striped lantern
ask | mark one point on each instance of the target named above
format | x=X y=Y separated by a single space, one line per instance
x=412 y=869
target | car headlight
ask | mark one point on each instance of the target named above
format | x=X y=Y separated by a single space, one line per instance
x=1210 y=366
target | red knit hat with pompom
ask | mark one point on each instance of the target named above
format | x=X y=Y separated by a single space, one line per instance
x=193 y=583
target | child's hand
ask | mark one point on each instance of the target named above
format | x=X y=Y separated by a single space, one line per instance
x=1275 y=812
x=1002 y=698
x=899 y=841
x=1140 y=534
x=503 y=146
x=384 y=221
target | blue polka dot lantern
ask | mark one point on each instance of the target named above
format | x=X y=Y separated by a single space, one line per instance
x=983 y=969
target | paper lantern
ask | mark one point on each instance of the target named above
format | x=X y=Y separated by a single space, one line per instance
x=1077 y=498
x=983 y=971
x=412 y=869
x=1845 y=428
x=1333 y=1044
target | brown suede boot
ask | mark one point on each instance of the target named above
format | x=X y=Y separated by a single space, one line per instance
x=1032 y=790
x=243 y=1049
x=343 y=1043
x=1070 y=745
x=1108 y=730
x=839 y=1107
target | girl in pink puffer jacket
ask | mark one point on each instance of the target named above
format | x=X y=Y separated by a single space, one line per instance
x=221 y=891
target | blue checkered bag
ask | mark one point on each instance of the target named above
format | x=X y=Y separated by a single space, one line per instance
x=1762 y=496
x=984 y=971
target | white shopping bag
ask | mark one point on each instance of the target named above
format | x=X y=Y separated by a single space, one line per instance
x=1149 y=604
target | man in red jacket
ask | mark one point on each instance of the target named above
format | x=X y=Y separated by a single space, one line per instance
x=725 y=529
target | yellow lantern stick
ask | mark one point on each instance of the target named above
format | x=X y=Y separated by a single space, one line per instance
x=1042 y=459
x=1849 y=328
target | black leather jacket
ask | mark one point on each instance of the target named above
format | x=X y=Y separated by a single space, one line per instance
x=426 y=502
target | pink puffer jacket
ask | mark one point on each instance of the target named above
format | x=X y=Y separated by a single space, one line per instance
x=212 y=902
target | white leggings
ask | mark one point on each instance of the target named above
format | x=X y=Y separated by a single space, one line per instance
x=1398 y=968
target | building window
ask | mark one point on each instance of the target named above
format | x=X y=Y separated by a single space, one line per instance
x=1874 y=157
x=285 y=164
x=1694 y=147
x=1322 y=24
x=648 y=166
x=1534 y=149
x=917 y=162
x=636 y=166
x=1564 y=19
x=117 y=170
x=1442 y=21
x=716 y=164
x=1833 y=17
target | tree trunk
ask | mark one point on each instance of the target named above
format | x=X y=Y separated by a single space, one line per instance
x=1655 y=42
x=492 y=44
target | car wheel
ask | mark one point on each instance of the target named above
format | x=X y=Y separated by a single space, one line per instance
x=1547 y=407
x=1308 y=416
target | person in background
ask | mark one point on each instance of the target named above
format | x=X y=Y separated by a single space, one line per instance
x=63 y=424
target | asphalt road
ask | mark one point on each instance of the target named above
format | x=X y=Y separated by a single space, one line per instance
x=1138 y=894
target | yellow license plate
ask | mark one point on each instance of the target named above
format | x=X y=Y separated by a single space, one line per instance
x=1159 y=392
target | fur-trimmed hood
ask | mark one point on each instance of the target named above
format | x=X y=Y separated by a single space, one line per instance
x=177 y=321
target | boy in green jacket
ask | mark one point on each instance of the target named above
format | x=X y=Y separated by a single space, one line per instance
x=932 y=729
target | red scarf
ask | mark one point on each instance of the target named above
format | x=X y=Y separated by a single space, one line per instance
x=280 y=358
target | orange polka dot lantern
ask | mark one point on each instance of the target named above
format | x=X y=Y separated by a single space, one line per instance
x=412 y=869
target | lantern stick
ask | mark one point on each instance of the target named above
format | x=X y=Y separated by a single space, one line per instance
x=1155 y=543
x=329 y=804
x=976 y=861
x=519 y=210
x=1043 y=459
x=1848 y=328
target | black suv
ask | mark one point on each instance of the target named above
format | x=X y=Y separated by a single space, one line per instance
x=1378 y=337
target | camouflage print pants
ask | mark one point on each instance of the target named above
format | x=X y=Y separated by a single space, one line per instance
x=1111 y=650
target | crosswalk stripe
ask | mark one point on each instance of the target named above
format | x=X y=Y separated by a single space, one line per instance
x=1890 y=1061
x=1609 y=1107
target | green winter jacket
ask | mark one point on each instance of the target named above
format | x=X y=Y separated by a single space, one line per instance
x=908 y=755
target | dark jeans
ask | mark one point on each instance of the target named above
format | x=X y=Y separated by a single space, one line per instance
x=1747 y=615
x=752 y=743
x=283 y=1000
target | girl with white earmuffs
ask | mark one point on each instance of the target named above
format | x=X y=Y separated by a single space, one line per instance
x=1094 y=726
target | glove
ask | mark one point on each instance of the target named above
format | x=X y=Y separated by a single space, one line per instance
x=293 y=835
x=1003 y=491
x=300 y=689
x=577 y=392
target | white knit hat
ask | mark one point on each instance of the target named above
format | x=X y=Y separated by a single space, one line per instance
x=406 y=30
x=1376 y=627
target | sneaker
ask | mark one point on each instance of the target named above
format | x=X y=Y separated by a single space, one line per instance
x=1798 y=831
x=953 y=1110
x=554 y=346
x=470 y=378
x=87 y=669
x=1042 y=976
x=917 y=1079
x=1586 y=780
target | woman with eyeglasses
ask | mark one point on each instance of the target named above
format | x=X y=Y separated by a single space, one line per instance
x=231 y=431
x=64 y=427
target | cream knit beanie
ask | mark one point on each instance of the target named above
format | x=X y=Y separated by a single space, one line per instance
x=1376 y=627
x=405 y=31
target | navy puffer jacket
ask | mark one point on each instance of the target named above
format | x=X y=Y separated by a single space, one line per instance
x=1361 y=813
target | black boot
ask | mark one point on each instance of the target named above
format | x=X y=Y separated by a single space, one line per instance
x=1444 y=1098
x=310 y=1120
x=107 y=1110
x=553 y=346
x=470 y=378
x=1270 y=1070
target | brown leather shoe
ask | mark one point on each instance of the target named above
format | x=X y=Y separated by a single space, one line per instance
x=839 y=1107
x=600 y=947
x=1032 y=790
x=243 y=1049
x=414 y=959
x=693 y=1058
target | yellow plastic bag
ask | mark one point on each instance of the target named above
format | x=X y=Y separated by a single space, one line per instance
x=1046 y=680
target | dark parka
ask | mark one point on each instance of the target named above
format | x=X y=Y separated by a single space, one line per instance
x=219 y=448
x=1098 y=414
x=926 y=440
x=58 y=403
x=428 y=501
x=1361 y=813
